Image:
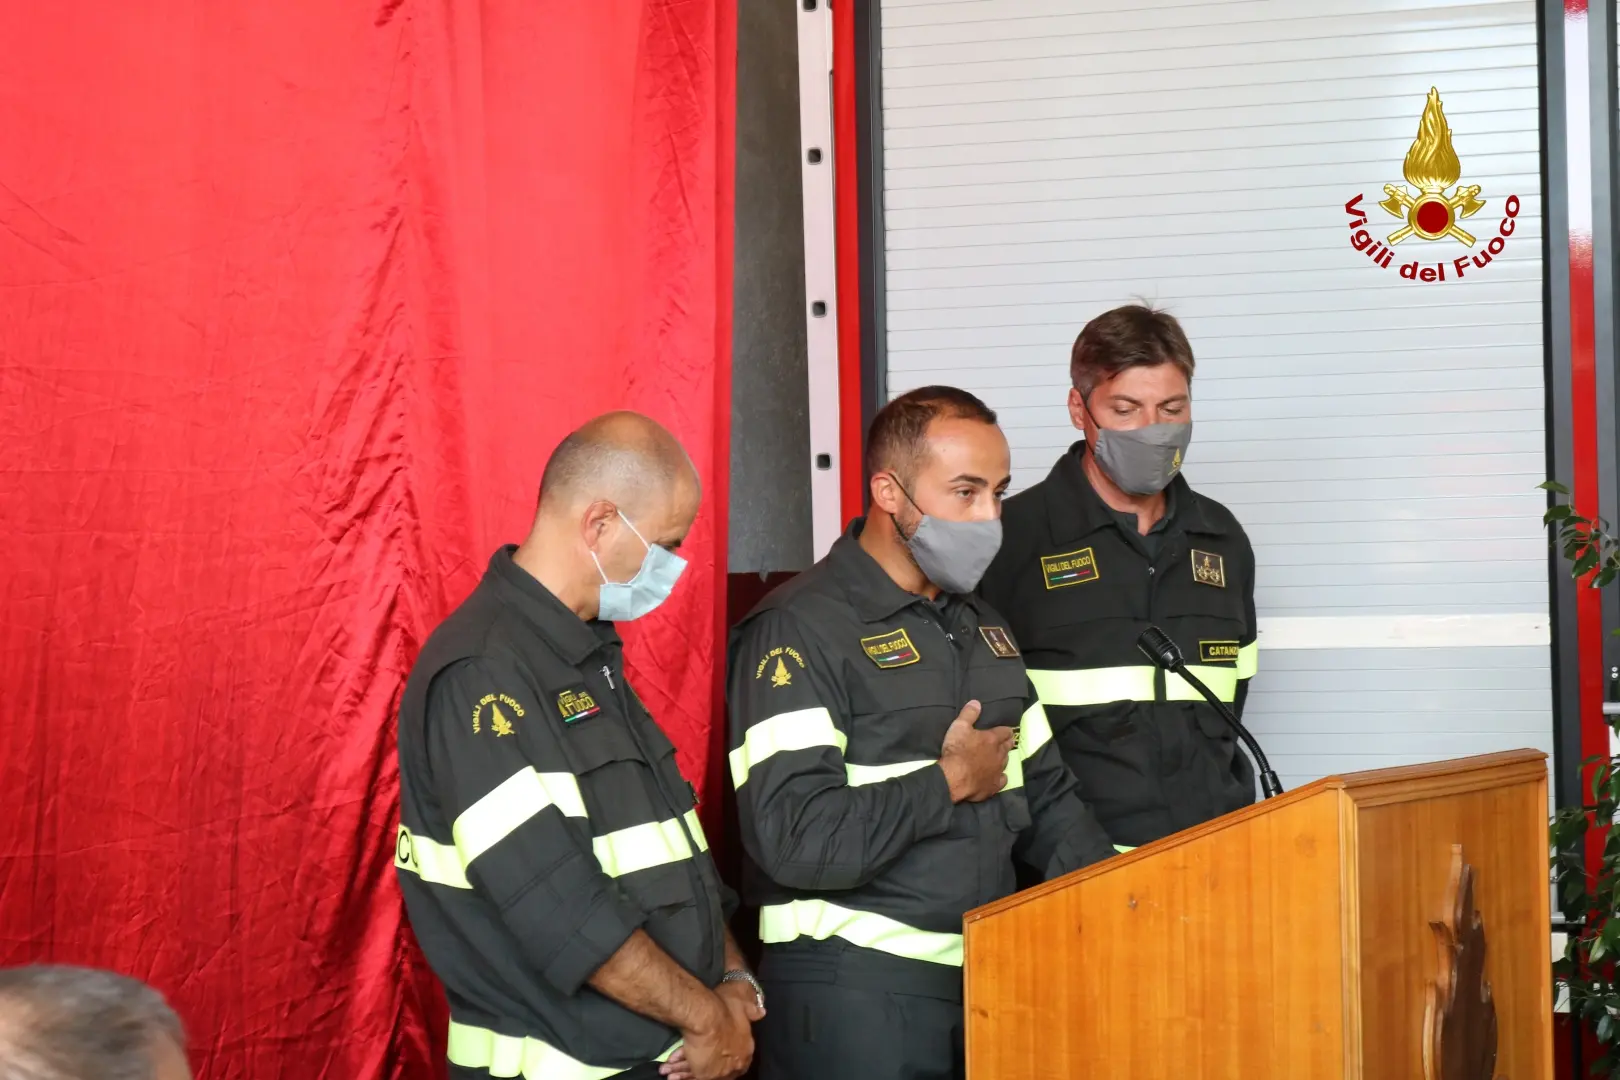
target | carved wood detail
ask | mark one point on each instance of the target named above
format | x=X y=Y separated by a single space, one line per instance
x=1459 y=1022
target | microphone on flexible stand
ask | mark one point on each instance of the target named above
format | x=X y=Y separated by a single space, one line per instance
x=1157 y=647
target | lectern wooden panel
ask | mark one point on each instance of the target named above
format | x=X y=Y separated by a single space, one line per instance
x=1291 y=939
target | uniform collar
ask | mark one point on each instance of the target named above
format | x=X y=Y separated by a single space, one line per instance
x=1076 y=510
x=572 y=637
x=872 y=592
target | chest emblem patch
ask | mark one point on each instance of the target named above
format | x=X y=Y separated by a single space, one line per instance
x=776 y=663
x=1217 y=652
x=488 y=712
x=1070 y=568
x=893 y=649
x=576 y=705
x=1209 y=569
x=1000 y=642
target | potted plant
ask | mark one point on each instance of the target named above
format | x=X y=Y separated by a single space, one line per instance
x=1586 y=839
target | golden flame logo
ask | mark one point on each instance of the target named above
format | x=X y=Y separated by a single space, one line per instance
x=1432 y=167
x=1432 y=164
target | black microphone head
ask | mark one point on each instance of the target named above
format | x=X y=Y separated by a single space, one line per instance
x=1157 y=647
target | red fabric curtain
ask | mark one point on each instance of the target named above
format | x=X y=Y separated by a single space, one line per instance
x=297 y=297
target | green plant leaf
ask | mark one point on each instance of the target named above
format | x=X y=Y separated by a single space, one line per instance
x=1557 y=513
x=1553 y=485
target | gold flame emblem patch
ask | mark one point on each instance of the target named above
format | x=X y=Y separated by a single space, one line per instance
x=1432 y=167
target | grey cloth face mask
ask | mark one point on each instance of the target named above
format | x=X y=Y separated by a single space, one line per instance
x=953 y=554
x=1143 y=460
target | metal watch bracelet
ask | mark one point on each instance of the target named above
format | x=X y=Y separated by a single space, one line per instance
x=739 y=975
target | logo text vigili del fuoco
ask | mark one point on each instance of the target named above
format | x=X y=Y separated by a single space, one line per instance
x=1435 y=211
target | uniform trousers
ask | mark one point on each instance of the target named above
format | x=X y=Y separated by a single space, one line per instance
x=844 y=1015
x=648 y=1071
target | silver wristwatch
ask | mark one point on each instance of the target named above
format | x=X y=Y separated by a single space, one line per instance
x=739 y=975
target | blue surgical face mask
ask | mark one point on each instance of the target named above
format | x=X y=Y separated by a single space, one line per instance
x=624 y=601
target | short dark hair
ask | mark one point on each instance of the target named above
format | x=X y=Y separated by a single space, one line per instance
x=898 y=437
x=1131 y=336
x=73 y=1023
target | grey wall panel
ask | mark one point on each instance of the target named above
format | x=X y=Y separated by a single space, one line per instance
x=770 y=423
x=1381 y=439
x=1377 y=708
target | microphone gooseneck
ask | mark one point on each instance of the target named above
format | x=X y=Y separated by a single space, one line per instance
x=1158 y=647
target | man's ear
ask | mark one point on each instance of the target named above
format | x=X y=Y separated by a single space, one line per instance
x=886 y=494
x=1077 y=410
x=595 y=520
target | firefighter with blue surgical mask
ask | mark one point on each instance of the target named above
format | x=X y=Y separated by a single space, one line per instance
x=891 y=760
x=549 y=851
x=1112 y=541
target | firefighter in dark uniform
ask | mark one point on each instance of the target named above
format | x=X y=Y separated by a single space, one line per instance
x=551 y=859
x=1114 y=540
x=890 y=759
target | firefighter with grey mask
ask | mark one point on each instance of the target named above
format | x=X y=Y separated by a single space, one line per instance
x=1114 y=540
x=891 y=760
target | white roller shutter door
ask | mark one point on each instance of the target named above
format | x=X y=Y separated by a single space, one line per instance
x=1381 y=439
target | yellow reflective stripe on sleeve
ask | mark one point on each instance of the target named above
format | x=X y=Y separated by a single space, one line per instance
x=696 y=827
x=1222 y=680
x=430 y=860
x=523 y=794
x=1248 y=660
x=1034 y=731
x=624 y=851
x=797 y=730
x=1015 y=771
x=1094 y=686
x=486 y=823
x=820 y=920
x=1122 y=849
x=509 y=1055
x=860 y=775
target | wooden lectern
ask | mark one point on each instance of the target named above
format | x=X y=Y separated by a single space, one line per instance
x=1297 y=938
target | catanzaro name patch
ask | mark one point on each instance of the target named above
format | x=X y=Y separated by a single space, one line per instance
x=1217 y=652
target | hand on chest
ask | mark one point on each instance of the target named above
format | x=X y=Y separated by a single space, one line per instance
x=905 y=685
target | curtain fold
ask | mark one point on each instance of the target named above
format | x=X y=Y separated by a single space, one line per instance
x=295 y=299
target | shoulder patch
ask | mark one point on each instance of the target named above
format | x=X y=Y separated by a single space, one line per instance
x=1000 y=642
x=1217 y=652
x=893 y=649
x=488 y=713
x=576 y=704
x=1209 y=569
x=1070 y=568
x=780 y=672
